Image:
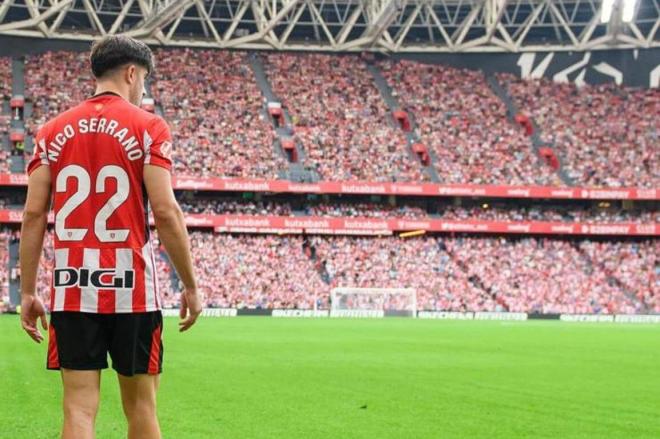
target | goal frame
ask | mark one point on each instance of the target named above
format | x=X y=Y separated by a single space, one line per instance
x=372 y=291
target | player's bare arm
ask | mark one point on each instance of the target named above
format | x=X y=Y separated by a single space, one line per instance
x=172 y=231
x=35 y=218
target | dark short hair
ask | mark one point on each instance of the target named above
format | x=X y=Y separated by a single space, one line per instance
x=117 y=50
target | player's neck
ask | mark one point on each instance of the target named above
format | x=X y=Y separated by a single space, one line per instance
x=109 y=87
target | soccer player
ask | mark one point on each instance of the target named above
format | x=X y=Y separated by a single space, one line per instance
x=103 y=161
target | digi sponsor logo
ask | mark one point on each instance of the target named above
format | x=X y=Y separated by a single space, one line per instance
x=102 y=278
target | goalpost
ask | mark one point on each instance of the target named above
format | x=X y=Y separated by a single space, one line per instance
x=373 y=302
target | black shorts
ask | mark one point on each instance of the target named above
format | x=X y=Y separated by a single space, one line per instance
x=82 y=341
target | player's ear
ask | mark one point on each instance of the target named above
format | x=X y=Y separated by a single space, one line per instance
x=131 y=74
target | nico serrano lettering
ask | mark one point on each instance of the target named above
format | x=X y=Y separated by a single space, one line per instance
x=103 y=278
x=93 y=125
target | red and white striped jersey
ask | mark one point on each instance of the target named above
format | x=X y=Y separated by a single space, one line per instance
x=96 y=152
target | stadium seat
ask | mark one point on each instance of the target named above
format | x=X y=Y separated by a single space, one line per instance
x=402 y=117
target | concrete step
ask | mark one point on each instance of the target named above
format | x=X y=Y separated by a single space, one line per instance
x=261 y=77
x=18 y=76
x=383 y=87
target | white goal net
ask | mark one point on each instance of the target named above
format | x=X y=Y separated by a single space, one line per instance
x=373 y=302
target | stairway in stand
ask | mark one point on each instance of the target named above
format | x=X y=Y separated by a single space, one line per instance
x=283 y=129
x=536 y=143
x=411 y=134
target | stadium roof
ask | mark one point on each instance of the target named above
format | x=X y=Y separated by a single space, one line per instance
x=343 y=25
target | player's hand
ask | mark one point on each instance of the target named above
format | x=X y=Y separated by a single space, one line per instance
x=191 y=308
x=32 y=308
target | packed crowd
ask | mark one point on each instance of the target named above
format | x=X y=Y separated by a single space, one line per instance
x=284 y=208
x=233 y=207
x=5 y=78
x=390 y=263
x=5 y=157
x=5 y=125
x=531 y=274
x=366 y=210
x=55 y=82
x=605 y=135
x=422 y=209
x=374 y=301
x=608 y=135
x=636 y=265
x=5 y=235
x=12 y=199
x=551 y=214
x=447 y=273
x=5 y=119
x=543 y=275
x=168 y=283
x=45 y=265
x=216 y=117
x=216 y=114
x=413 y=210
x=486 y=212
x=5 y=90
x=465 y=124
x=255 y=271
x=340 y=118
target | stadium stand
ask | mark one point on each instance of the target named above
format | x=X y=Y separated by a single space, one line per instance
x=408 y=208
x=5 y=119
x=391 y=263
x=4 y=160
x=221 y=129
x=12 y=200
x=55 y=82
x=608 y=135
x=168 y=288
x=46 y=266
x=5 y=235
x=222 y=206
x=530 y=274
x=568 y=214
x=465 y=124
x=542 y=275
x=418 y=209
x=461 y=273
x=216 y=114
x=340 y=118
x=5 y=77
x=255 y=271
x=366 y=210
x=634 y=264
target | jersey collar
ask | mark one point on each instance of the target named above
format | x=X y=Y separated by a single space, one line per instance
x=105 y=93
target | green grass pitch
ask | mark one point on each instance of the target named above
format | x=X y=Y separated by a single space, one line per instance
x=259 y=377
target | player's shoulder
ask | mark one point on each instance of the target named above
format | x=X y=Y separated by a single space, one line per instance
x=142 y=116
x=154 y=119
